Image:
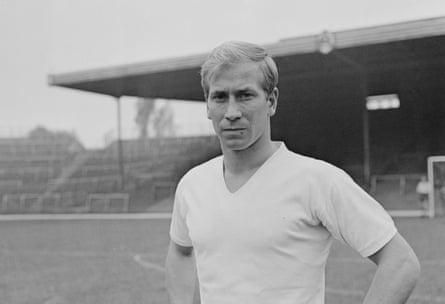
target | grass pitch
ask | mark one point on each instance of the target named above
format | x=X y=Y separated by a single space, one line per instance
x=121 y=261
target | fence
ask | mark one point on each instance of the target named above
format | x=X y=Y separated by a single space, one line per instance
x=397 y=194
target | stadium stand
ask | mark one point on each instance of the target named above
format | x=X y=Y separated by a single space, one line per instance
x=59 y=176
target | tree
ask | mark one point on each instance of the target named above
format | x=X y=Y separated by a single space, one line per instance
x=45 y=135
x=144 y=109
x=163 y=122
x=154 y=118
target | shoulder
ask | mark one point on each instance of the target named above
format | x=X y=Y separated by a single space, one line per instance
x=202 y=172
x=312 y=168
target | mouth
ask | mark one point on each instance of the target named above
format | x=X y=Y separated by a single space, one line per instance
x=234 y=129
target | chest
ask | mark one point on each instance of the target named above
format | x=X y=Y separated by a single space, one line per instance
x=235 y=182
x=265 y=219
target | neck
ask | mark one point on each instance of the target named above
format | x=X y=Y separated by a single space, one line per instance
x=248 y=159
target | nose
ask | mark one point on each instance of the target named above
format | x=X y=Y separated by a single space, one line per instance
x=232 y=111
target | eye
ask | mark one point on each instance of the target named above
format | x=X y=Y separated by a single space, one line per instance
x=245 y=96
x=218 y=97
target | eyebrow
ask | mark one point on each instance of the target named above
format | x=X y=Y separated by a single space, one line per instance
x=244 y=90
x=216 y=92
x=224 y=90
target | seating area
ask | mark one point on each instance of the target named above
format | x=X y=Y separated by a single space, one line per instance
x=52 y=177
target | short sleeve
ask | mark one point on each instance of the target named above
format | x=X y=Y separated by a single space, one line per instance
x=179 y=232
x=352 y=216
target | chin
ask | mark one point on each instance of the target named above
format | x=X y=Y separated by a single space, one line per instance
x=234 y=145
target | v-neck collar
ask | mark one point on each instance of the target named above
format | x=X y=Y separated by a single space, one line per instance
x=253 y=177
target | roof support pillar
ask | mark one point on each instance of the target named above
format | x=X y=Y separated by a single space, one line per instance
x=120 y=155
x=366 y=133
x=363 y=78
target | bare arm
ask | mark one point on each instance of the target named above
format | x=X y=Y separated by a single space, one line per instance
x=181 y=280
x=397 y=273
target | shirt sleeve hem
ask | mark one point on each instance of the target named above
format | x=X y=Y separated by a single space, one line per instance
x=180 y=242
x=377 y=245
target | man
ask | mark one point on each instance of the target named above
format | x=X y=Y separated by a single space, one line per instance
x=422 y=189
x=259 y=220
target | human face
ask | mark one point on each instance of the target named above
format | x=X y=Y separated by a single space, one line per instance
x=239 y=107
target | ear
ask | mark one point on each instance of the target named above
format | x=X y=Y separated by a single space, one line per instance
x=273 y=101
x=207 y=109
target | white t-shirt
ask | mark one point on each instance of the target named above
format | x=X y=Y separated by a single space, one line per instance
x=268 y=242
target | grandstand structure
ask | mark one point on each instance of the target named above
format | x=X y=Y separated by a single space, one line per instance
x=326 y=81
x=54 y=176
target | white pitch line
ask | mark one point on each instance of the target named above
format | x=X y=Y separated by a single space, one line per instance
x=426 y=262
x=138 y=259
x=349 y=293
x=85 y=216
x=71 y=254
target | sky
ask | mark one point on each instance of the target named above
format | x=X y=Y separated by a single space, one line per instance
x=52 y=36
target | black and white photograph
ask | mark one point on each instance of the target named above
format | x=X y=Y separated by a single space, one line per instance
x=222 y=152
